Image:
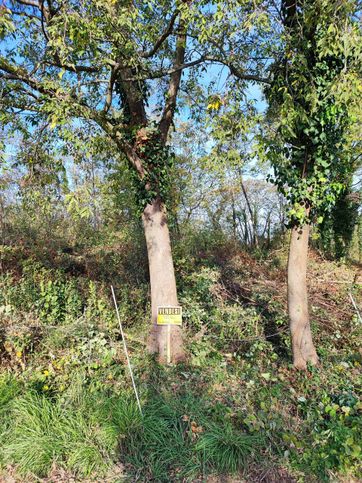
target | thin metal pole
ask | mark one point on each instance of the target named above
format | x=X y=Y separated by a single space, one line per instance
x=126 y=351
x=355 y=306
x=168 y=343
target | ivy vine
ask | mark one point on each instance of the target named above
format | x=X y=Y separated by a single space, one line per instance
x=311 y=164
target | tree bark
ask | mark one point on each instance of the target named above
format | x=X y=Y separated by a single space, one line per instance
x=163 y=282
x=234 y=216
x=302 y=343
x=253 y=237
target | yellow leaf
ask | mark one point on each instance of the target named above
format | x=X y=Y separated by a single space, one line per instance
x=61 y=73
x=214 y=105
x=53 y=123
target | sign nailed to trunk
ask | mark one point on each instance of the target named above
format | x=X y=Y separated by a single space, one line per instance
x=171 y=315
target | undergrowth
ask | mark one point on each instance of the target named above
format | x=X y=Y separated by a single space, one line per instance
x=235 y=408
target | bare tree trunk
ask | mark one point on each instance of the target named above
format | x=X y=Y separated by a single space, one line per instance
x=253 y=237
x=234 y=216
x=359 y=232
x=302 y=343
x=2 y=230
x=267 y=230
x=163 y=282
x=255 y=228
x=246 y=229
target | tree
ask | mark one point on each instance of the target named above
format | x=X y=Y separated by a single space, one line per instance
x=68 y=61
x=115 y=67
x=337 y=229
x=314 y=92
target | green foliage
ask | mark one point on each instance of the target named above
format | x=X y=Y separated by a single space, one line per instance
x=198 y=298
x=337 y=230
x=173 y=441
x=57 y=301
x=337 y=428
x=97 y=307
x=6 y=25
x=52 y=296
x=311 y=152
x=235 y=406
x=9 y=390
x=159 y=166
x=81 y=431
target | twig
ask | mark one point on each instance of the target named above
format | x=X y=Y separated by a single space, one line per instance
x=332 y=281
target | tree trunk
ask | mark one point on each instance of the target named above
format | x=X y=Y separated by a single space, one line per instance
x=302 y=343
x=163 y=282
x=255 y=228
x=234 y=216
x=359 y=231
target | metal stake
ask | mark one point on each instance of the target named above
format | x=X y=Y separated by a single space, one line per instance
x=126 y=351
x=168 y=343
x=355 y=306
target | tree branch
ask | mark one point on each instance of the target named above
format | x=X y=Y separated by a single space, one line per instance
x=24 y=14
x=16 y=88
x=29 y=3
x=46 y=14
x=20 y=74
x=163 y=73
x=171 y=96
x=44 y=17
x=74 y=68
x=237 y=72
x=109 y=94
x=162 y=37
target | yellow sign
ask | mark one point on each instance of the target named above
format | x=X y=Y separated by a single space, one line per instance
x=169 y=315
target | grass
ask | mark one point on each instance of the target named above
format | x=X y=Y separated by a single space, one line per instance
x=43 y=432
x=225 y=449
x=87 y=432
x=66 y=400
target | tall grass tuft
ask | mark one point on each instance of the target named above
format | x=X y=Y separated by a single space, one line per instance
x=9 y=388
x=225 y=449
x=81 y=438
x=31 y=441
x=162 y=448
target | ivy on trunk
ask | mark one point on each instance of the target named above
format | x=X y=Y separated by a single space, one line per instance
x=313 y=95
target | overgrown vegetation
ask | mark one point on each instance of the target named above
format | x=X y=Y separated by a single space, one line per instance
x=67 y=406
x=137 y=145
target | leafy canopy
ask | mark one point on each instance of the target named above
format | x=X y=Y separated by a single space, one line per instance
x=314 y=96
